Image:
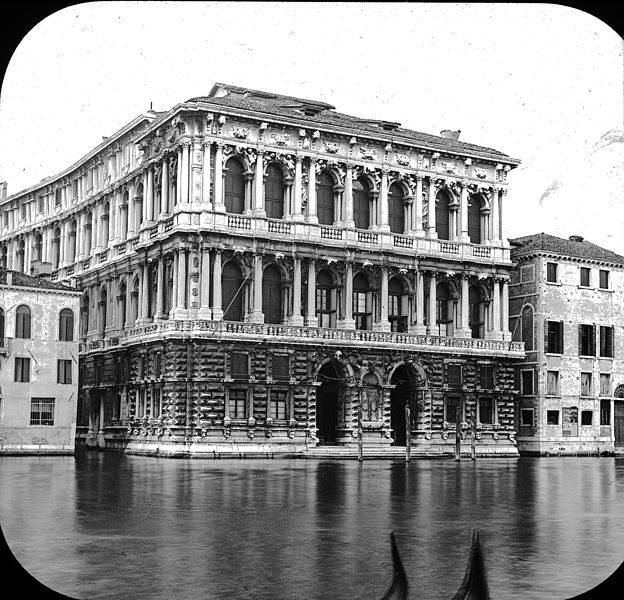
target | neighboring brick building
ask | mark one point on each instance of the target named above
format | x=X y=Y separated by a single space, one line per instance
x=266 y=269
x=567 y=305
x=38 y=365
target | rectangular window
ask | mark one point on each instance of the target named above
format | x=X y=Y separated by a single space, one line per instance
x=586 y=417
x=603 y=279
x=454 y=375
x=586 y=384
x=22 y=369
x=526 y=417
x=99 y=373
x=281 y=367
x=526 y=383
x=23 y=211
x=64 y=371
x=606 y=342
x=552 y=417
x=450 y=409
x=527 y=273
x=605 y=412
x=554 y=337
x=605 y=384
x=278 y=404
x=551 y=272
x=158 y=366
x=42 y=411
x=486 y=411
x=239 y=365
x=587 y=340
x=585 y=276
x=486 y=377
x=552 y=383
x=40 y=204
x=238 y=403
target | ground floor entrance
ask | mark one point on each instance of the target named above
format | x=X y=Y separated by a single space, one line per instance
x=618 y=423
x=328 y=396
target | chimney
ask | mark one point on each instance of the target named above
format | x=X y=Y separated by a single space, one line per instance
x=576 y=238
x=3 y=190
x=451 y=135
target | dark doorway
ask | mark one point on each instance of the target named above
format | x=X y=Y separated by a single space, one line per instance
x=272 y=295
x=618 y=422
x=399 y=397
x=327 y=398
x=232 y=292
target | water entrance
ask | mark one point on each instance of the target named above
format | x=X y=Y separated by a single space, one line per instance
x=327 y=401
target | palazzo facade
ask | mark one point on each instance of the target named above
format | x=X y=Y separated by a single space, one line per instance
x=263 y=274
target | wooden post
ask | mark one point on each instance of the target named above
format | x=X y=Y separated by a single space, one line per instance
x=473 y=441
x=408 y=432
x=458 y=413
x=359 y=432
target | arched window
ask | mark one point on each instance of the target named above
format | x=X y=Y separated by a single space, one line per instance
x=476 y=305
x=138 y=208
x=88 y=230
x=56 y=248
x=444 y=309
x=527 y=327
x=121 y=305
x=123 y=227
x=396 y=211
x=397 y=305
x=362 y=303
x=361 y=203
x=325 y=300
x=442 y=215
x=234 y=187
x=22 y=322
x=66 y=325
x=168 y=301
x=325 y=198
x=152 y=289
x=102 y=313
x=134 y=302
x=71 y=253
x=232 y=292
x=38 y=247
x=21 y=251
x=274 y=192
x=84 y=316
x=272 y=295
x=105 y=225
x=474 y=219
x=371 y=404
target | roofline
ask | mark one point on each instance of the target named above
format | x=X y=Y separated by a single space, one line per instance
x=548 y=254
x=197 y=106
x=243 y=89
x=109 y=140
x=14 y=287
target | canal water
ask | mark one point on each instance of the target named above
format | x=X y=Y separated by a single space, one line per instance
x=105 y=525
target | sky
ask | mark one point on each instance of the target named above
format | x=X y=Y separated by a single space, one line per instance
x=542 y=83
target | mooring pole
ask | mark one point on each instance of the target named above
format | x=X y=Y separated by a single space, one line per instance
x=360 y=434
x=473 y=441
x=408 y=432
x=458 y=414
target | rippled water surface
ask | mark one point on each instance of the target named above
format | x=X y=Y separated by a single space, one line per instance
x=112 y=526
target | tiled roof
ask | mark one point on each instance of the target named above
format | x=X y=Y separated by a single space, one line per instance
x=23 y=280
x=573 y=248
x=286 y=106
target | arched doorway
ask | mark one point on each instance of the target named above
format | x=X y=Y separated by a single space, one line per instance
x=232 y=292
x=406 y=381
x=328 y=397
x=272 y=295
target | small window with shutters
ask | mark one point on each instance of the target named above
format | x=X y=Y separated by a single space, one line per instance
x=606 y=342
x=239 y=365
x=454 y=375
x=587 y=340
x=553 y=343
x=450 y=409
x=551 y=272
x=486 y=377
x=585 y=277
x=526 y=382
x=281 y=366
x=603 y=277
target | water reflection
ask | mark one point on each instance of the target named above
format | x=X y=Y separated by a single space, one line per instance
x=110 y=526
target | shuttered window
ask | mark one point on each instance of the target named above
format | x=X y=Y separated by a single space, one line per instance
x=553 y=342
x=396 y=212
x=587 y=340
x=234 y=187
x=325 y=199
x=606 y=342
x=274 y=193
x=442 y=215
x=361 y=204
x=239 y=365
x=474 y=219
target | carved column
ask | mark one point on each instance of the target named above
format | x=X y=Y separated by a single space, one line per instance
x=312 y=319
x=505 y=311
x=465 y=308
x=195 y=175
x=145 y=291
x=206 y=145
x=179 y=174
x=311 y=216
x=150 y=194
x=383 y=200
x=348 y=198
x=296 y=209
x=383 y=324
x=129 y=291
x=464 y=199
x=257 y=316
x=204 y=291
x=496 y=333
x=431 y=209
x=432 y=326
x=217 y=308
x=181 y=285
x=503 y=195
x=348 y=321
x=160 y=290
x=164 y=187
x=494 y=217
x=258 y=206
x=296 y=318
x=185 y=188
x=420 y=327
x=219 y=206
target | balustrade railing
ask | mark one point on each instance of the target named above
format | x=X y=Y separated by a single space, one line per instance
x=481 y=251
x=365 y=237
x=403 y=242
x=449 y=248
x=279 y=227
x=239 y=222
x=331 y=233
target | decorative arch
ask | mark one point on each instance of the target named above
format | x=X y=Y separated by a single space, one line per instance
x=527 y=326
x=366 y=376
x=412 y=367
x=346 y=367
x=619 y=391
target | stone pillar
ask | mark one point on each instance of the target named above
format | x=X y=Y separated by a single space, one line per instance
x=496 y=333
x=500 y=215
x=312 y=217
x=179 y=177
x=164 y=187
x=297 y=215
x=95 y=234
x=431 y=225
x=383 y=201
x=311 y=319
x=217 y=309
x=464 y=327
x=505 y=311
x=150 y=195
x=383 y=324
x=464 y=198
x=420 y=327
x=123 y=217
x=206 y=145
x=204 y=291
x=258 y=206
x=184 y=184
x=180 y=310
x=160 y=290
x=219 y=206
x=432 y=326
x=145 y=292
x=348 y=198
x=296 y=317
x=257 y=316
x=197 y=161
x=494 y=215
x=129 y=290
x=348 y=321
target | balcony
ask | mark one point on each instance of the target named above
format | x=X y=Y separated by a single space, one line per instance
x=313 y=336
